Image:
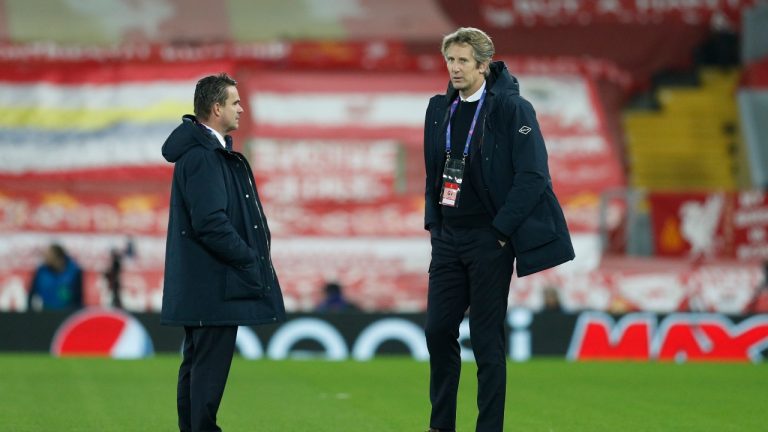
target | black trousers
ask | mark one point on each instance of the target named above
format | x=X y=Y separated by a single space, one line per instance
x=469 y=268
x=208 y=353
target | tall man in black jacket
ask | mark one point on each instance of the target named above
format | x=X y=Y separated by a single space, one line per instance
x=218 y=270
x=489 y=203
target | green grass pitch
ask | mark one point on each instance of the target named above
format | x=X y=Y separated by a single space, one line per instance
x=40 y=393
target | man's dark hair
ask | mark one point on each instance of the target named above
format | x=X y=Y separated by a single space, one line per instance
x=210 y=90
x=332 y=288
x=59 y=251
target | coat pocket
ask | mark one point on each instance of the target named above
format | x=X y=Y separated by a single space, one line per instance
x=537 y=229
x=243 y=283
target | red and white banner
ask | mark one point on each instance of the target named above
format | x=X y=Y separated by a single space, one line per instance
x=718 y=225
x=340 y=105
x=53 y=210
x=331 y=136
x=305 y=171
x=391 y=217
x=550 y=13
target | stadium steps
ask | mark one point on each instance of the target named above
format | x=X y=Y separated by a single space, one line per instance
x=691 y=142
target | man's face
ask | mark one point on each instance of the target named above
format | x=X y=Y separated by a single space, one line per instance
x=467 y=75
x=231 y=110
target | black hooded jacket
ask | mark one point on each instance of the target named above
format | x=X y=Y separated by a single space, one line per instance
x=218 y=269
x=510 y=159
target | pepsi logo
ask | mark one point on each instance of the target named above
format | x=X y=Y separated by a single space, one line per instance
x=97 y=332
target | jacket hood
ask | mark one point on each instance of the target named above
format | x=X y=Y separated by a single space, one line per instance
x=190 y=133
x=499 y=80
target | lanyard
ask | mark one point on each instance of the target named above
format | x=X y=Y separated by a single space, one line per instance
x=471 y=127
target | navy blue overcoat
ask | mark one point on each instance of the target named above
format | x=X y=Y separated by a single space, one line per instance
x=516 y=187
x=218 y=269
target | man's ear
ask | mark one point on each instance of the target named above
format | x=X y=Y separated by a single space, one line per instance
x=216 y=109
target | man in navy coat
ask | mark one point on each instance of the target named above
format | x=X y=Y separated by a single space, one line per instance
x=218 y=269
x=489 y=203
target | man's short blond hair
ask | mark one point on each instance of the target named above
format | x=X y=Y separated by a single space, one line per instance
x=482 y=46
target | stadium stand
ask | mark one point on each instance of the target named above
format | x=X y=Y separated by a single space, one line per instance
x=691 y=142
x=88 y=94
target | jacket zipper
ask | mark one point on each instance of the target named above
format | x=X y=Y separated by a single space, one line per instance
x=261 y=220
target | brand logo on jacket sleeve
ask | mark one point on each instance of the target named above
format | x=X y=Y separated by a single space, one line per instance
x=524 y=130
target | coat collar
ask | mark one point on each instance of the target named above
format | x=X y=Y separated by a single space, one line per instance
x=204 y=135
x=498 y=80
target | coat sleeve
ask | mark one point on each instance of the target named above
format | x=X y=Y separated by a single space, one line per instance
x=431 y=206
x=205 y=195
x=529 y=161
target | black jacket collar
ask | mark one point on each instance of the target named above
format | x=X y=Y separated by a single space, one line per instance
x=498 y=80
